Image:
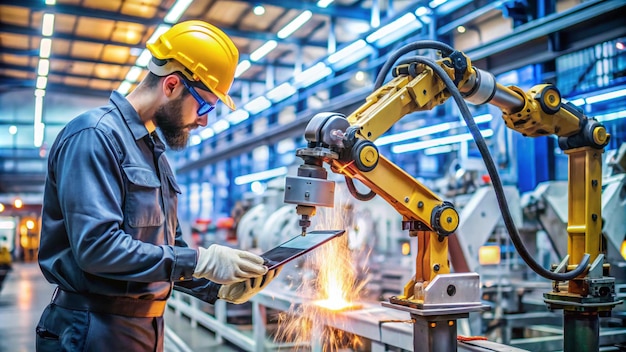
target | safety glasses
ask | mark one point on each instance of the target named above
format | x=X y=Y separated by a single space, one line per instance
x=205 y=107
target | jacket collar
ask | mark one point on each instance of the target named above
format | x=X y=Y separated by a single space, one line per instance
x=133 y=121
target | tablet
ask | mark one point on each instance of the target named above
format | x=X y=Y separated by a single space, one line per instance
x=297 y=246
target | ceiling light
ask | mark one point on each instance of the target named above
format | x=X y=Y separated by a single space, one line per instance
x=395 y=30
x=259 y=176
x=12 y=130
x=295 y=24
x=42 y=81
x=40 y=92
x=195 y=139
x=281 y=92
x=237 y=116
x=206 y=133
x=436 y=3
x=259 y=10
x=324 y=3
x=1 y=223
x=606 y=96
x=51 y=2
x=124 y=87
x=347 y=51
x=144 y=58
x=359 y=76
x=461 y=29
x=257 y=105
x=220 y=126
x=44 y=67
x=177 y=11
x=133 y=74
x=409 y=147
x=45 y=47
x=162 y=28
x=422 y=11
x=428 y=130
x=312 y=75
x=439 y=150
x=17 y=203
x=263 y=50
x=47 y=27
x=242 y=67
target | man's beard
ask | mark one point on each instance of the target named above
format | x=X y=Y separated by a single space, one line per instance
x=169 y=120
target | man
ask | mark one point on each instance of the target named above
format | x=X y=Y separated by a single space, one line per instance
x=110 y=236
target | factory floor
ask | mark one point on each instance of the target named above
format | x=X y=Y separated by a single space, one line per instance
x=25 y=293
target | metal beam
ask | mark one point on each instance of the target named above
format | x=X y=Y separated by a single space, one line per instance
x=452 y=25
x=547 y=25
x=333 y=10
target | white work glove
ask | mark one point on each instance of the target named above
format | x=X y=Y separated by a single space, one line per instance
x=241 y=292
x=225 y=265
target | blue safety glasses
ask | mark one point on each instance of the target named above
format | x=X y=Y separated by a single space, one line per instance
x=205 y=107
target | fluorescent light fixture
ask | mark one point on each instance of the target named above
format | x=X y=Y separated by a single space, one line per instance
x=259 y=10
x=144 y=58
x=324 y=3
x=578 y=102
x=177 y=11
x=312 y=75
x=44 y=67
x=422 y=11
x=263 y=50
x=259 y=176
x=220 y=126
x=47 y=27
x=347 y=51
x=281 y=92
x=611 y=116
x=42 y=81
x=133 y=74
x=439 y=150
x=237 y=116
x=38 y=136
x=162 y=28
x=295 y=24
x=40 y=92
x=12 y=130
x=195 y=139
x=257 y=105
x=409 y=147
x=124 y=87
x=206 y=133
x=51 y=2
x=395 y=30
x=427 y=131
x=436 y=3
x=242 y=67
x=45 y=47
x=606 y=96
x=38 y=126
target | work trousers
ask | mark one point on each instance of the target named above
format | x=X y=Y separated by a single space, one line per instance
x=62 y=329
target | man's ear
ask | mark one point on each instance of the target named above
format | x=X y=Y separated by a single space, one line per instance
x=169 y=85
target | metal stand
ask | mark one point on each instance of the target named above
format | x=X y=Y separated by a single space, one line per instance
x=447 y=298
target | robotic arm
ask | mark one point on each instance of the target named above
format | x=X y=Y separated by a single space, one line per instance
x=419 y=83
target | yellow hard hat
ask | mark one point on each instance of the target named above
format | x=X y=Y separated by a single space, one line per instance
x=200 y=51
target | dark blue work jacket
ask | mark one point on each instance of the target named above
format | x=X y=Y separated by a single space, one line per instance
x=109 y=222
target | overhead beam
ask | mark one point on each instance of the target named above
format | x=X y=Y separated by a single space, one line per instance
x=333 y=10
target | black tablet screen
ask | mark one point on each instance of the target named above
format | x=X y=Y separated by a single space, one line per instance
x=297 y=246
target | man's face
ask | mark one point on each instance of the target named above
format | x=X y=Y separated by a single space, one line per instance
x=178 y=117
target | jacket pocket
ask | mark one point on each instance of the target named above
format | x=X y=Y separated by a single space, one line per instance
x=143 y=198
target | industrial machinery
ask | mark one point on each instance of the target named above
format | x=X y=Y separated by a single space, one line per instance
x=435 y=297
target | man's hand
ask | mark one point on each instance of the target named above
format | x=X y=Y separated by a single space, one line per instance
x=225 y=265
x=241 y=292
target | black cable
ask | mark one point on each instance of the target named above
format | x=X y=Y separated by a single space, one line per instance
x=424 y=44
x=356 y=194
x=497 y=183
